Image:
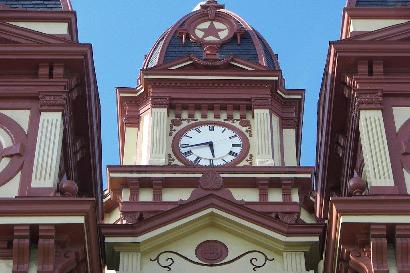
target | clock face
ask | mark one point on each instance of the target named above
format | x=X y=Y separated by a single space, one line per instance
x=211 y=144
x=212 y=31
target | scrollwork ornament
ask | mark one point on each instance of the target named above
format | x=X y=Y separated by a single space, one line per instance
x=168 y=262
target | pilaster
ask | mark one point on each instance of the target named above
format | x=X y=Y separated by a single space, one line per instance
x=263 y=132
x=294 y=262
x=158 y=150
x=130 y=259
x=374 y=141
x=49 y=141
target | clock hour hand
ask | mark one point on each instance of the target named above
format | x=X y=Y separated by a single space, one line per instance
x=200 y=144
x=211 y=146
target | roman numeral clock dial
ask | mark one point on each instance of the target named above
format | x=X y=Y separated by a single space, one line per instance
x=210 y=144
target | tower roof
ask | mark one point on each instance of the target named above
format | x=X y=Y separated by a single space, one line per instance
x=211 y=32
x=48 y=5
x=382 y=3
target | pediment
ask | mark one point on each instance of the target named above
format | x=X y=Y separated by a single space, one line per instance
x=194 y=63
x=10 y=34
x=399 y=32
x=216 y=211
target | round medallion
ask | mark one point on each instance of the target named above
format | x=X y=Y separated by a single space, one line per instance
x=212 y=31
x=210 y=144
x=211 y=252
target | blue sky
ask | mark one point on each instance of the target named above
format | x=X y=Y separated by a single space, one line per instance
x=123 y=31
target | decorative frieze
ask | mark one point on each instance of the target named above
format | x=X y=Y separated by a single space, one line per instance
x=287 y=190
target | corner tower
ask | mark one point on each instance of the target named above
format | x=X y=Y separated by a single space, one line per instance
x=363 y=177
x=210 y=147
x=50 y=152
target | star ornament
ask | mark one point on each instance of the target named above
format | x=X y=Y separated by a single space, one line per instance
x=212 y=31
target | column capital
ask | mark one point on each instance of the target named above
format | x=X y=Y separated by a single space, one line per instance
x=368 y=99
x=261 y=103
x=52 y=101
x=159 y=102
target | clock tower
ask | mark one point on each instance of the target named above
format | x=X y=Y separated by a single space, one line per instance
x=210 y=146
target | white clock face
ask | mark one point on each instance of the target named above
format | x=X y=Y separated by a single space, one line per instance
x=211 y=145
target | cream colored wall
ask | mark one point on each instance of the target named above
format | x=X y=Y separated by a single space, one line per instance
x=289 y=147
x=22 y=117
x=236 y=245
x=130 y=146
x=146 y=194
x=246 y=194
x=6 y=266
x=112 y=217
x=11 y=188
x=6 y=141
x=176 y=194
x=401 y=115
x=275 y=195
x=373 y=24
x=143 y=141
x=307 y=217
x=45 y=27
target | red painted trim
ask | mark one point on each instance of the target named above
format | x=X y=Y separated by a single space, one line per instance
x=211 y=201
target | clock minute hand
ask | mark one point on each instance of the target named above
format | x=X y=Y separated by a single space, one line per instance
x=200 y=144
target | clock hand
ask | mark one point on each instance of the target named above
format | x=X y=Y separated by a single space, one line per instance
x=200 y=144
x=211 y=146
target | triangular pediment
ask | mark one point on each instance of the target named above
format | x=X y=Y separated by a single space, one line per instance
x=11 y=34
x=194 y=63
x=218 y=211
x=399 y=32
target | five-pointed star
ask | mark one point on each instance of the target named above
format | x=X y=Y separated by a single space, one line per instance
x=211 y=31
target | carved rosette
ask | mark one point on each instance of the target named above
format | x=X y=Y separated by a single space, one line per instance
x=211 y=181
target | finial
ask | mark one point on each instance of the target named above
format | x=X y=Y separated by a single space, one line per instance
x=212 y=4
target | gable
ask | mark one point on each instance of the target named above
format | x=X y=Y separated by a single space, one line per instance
x=399 y=32
x=11 y=34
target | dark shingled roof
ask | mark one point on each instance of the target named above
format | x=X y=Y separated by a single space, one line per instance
x=176 y=49
x=382 y=3
x=33 y=4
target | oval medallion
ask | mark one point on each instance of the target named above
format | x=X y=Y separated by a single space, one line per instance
x=211 y=252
